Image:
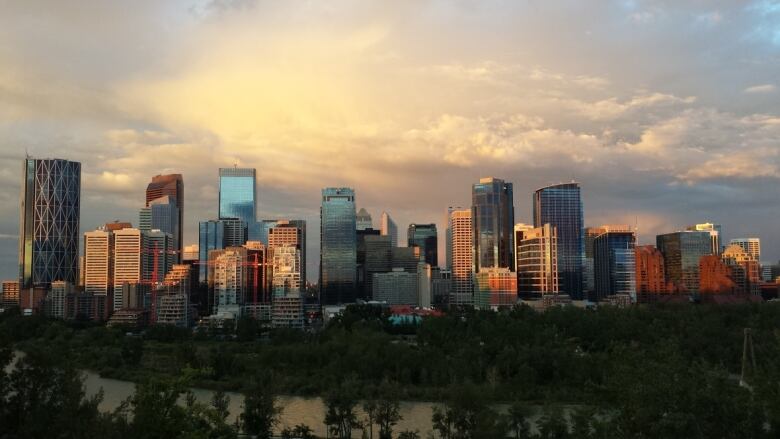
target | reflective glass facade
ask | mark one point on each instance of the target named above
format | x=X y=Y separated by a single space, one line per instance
x=49 y=222
x=682 y=252
x=426 y=238
x=614 y=264
x=561 y=206
x=493 y=220
x=237 y=194
x=338 y=246
x=211 y=236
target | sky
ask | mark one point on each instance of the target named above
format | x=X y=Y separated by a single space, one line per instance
x=666 y=111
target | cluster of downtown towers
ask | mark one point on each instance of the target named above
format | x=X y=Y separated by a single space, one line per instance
x=488 y=254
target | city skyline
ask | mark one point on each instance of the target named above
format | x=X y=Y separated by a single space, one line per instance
x=659 y=137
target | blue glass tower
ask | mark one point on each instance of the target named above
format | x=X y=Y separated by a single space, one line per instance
x=338 y=246
x=49 y=223
x=237 y=194
x=682 y=252
x=211 y=236
x=560 y=205
x=493 y=221
x=614 y=264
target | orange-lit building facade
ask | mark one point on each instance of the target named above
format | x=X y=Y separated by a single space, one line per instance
x=715 y=277
x=650 y=273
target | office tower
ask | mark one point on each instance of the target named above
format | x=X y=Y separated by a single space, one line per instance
x=219 y=234
x=614 y=261
x=397 y=287
x=237 y=194
x=715 y=277
x=537 y=261
x=173 y=298
x=441 y=285
x=128 y=261
x=260 y=271
x=287 y=312
x=425 y=237
x=162 y=214
x=387 y=227
x=560 y=205
x=49 y=222
x=650 y=272
x=493 y=220
x=290 y=232
x=752 y=246
x=286 y=270
x=745 y=269
x=519 y=231
x=190 y=253
x=10 y=295
x=235 y=232
x=425 y=284
x=171 y=186
x=158 y=256
x=99 y=262
x=363 y=292
x=716 y=234
x=229 y=277
x=405 y=258
x=363 y=220
x=338 y=246
x=588 y=274
x=377 y=259
x=55 y=300
x=682 y=251
x=462 y=258
x=495 y=288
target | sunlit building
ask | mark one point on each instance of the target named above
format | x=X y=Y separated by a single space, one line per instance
x=172 y=187
x=682 y=252
x=426 y=238
x=387 y=227
x=128 y=261
x=286 y=270
x=228 y=276
x=49 y=222
x=237 y=194
x=536 y=257
x=715 y=277
x=751 y=246
x=338 y=247
x=291 y=232
x=461 y=231
x=716 y=234
x=162 y=214
x=173 y=304
x=495 y=288
x=560 y=206
x=99 y=262
x=650 y=272
x=363 y=220
x=746 y=271
x=10 y=296
x=493 y=219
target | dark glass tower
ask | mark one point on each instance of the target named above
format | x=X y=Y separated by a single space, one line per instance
x=49 y=222
x=493 y=221
x=614 y=264
x=682 y=252
x=338 y=246
x=560 y=205
x=171 y=185
x=237 y=194
x=426 y=238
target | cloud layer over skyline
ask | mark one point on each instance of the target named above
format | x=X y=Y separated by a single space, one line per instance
x=665 y=111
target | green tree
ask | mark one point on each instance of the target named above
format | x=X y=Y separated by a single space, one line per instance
x=518 y=421
x=387 y=410
x=340 y=415
x=261 y=408
x=300 y=431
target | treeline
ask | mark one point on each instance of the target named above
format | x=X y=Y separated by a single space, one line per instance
x=661 y=371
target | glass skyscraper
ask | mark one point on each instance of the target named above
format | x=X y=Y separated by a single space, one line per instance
x=211 y=236
x=682 y=252
x=493 y=220
x=614 y=263
x=171 y=185
x=426 y=238
x=338 y=246
x=560 y=205
x=49 y=222
x=237 y=194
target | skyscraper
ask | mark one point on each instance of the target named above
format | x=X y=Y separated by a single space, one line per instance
x=461 y=230
x=387 y=227
x=745 y=269
x=363 y=220
x=682 y=252
x=211 y=236
x=170 y=185
x=426 y=238
x=128 y=261
x=560 y=205
x=49 y=222
x=228 y=278
x=163 y=214
x=614 y=261
x=237 y=194
x=493 y=220
x=716 y=234
x=338 y=246
x=752 y=246
x=99 y=262
x=650 y=272
x=495 y=288
x=286 y=270
x=291 y=232
x=537 y=261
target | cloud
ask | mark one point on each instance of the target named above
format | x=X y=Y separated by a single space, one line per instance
x=764 y=88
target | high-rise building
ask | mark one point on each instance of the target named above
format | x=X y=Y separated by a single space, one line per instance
x=716 y=234
x=397 y=287
x=461 y=231
x=425 y=237
x=99 y=262
x=237 y=194
x=650 y=272
x=172 y=186
x=362 y=281
x=173 y=298
x=290 y=232
x=560 y=205
x=49 y=222
x=162 y=214
x=537 y=261
x=682 y=251
x=338 y=246
x=519 y=230
x=10 y=296
x=158 y=256
x=260 y=263
x=229 y=277
x=746 y=271
x=387 y=227
x=128 y=261
x=363 y=220
x=286 y=270
x=377 y=259
x=752 y=246
x=715 y=277
x=211 y=236
x=493 y=219
x=495 y=288
x=614 y=261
